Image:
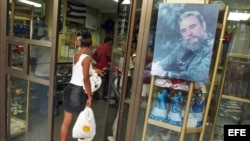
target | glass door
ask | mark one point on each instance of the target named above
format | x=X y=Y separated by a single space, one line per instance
x=30 y=48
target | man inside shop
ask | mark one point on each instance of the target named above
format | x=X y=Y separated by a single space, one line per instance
x=102 y=55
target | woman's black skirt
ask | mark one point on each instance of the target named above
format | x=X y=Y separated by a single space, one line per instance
x=74 y=98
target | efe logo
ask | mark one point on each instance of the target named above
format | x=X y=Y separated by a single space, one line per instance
x=236 y=132
x=241 y=132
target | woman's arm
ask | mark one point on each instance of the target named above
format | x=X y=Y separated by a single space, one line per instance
x=86 y=81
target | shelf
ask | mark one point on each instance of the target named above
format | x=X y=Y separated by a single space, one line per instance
x=220 y=25
x=63 y=77
x=220 y=67
x=236 y=98
x=173 y=127
x=232 y=101
x=80 y=21
x=18 y=17
x=237 y=55
x=167 y=83
x=23 y=16
x=18 y=126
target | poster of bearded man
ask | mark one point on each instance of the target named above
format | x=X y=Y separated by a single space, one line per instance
x=184 y=41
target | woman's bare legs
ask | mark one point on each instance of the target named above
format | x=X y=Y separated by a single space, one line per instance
x=65 y=126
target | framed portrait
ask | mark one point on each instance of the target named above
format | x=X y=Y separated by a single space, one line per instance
x=184 y=41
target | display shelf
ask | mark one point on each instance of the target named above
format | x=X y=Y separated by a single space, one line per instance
x=185 y=127
x=160 y=82
x=18 y=105
x=230 y=112
x=236 y=77
x=234 y=98
x=173 y=127
x=24 y=14
x=66 y=49
x=63 y=73
x=80 y=21
x=181 y=129
x=63 y=76
x=17 y=126
x=18 y=88
x=234 y=84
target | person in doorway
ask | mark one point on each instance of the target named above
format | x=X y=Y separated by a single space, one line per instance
x=102 y=56
x=77 y=94
x=41 y=55
x=190 y=60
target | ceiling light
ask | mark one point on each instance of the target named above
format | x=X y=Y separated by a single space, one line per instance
x=234 y=16
x=124 y=1
x=35 y=4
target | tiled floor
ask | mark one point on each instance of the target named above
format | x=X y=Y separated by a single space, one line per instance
x=37 y=124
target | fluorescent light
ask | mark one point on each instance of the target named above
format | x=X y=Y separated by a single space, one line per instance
x=35 y=4
x=124 y=1
x=234 y=16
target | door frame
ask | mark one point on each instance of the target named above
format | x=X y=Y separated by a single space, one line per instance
x=4 y=69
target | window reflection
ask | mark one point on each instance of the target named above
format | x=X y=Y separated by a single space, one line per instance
x=16 y=55
x=40 y=61
x=17 y=99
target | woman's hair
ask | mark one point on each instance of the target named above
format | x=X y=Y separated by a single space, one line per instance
x=86 y=40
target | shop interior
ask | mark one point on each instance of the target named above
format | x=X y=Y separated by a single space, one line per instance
x=230 y=99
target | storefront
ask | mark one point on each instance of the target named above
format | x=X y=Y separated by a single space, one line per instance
x=139 y=106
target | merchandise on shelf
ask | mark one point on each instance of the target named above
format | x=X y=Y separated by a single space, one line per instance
x=160 y=109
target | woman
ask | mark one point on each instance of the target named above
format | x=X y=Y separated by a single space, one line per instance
x=78 y=93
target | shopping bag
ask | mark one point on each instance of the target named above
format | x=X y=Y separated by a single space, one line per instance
x=85 y=126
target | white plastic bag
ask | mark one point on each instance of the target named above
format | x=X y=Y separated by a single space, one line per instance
x=96 y=81
x=85 y=126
